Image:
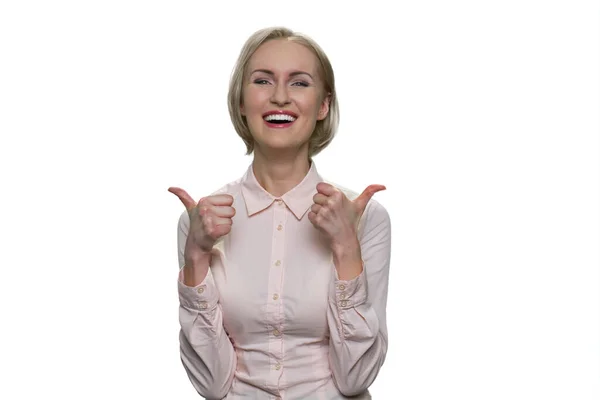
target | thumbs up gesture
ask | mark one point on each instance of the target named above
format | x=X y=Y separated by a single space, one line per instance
x=210 y=219
x=337 y=216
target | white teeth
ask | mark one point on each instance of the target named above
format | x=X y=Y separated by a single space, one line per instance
x=279 y=117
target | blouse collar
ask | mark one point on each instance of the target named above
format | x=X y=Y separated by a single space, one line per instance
x=299 y=199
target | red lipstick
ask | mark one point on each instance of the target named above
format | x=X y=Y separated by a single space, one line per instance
x=279 y=118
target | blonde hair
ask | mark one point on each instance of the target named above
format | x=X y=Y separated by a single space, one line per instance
x=325 y=129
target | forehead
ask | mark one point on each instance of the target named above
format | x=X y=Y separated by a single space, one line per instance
x=282 y=55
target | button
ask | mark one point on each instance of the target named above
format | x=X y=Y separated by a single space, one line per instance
x=342 y=287
x=344 y=303
x=203 y=305
x=277 y=366
x=275 y=296
x=343 y=296
x=278 y=263
x=276 y=332
x=201 y=290
x=279 y=227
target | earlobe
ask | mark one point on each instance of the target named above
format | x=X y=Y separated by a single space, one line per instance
x=242 y=110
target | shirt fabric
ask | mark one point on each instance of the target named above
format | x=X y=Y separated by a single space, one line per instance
x=272 y=319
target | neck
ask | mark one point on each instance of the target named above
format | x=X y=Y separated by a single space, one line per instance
x=279 y=175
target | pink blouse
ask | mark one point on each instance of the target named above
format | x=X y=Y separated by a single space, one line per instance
x=272 y=319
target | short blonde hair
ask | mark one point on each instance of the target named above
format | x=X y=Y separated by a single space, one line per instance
x=325 y=129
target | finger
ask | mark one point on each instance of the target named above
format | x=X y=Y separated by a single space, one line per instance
x=222 y=230
x=219 y=211
x=312 y=218
x=326 y=188
x=315 y=208
x=216 y=226
x=218 y=200
x=213 y=220
x=362 y=200
x=185 y=198
x=317 y=220
x=321 y=199
x=224 y=211
x=216 y=231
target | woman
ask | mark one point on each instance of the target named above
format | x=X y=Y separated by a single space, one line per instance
x=284 y=277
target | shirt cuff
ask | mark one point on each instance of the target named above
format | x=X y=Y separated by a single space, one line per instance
x=203 y=297
x=350 y=293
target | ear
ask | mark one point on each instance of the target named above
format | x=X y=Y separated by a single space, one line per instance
x=324 y=109
x=242 y=111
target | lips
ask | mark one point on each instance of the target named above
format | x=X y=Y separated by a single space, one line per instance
x=279 y=118
x=280 y=112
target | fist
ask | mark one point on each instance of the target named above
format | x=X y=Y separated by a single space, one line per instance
x=336 y=215
x=210 y=219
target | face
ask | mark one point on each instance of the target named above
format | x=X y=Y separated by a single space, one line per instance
x=283 y=96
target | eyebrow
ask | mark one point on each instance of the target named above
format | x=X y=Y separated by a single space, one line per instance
x=293 y=73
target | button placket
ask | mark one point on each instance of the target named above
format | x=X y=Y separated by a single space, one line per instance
x=275 y=313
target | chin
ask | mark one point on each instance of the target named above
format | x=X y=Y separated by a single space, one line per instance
x=281 y=146
x=275 y=144
x=279 y=138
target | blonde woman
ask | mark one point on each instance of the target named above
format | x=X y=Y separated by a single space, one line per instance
x=283 y=276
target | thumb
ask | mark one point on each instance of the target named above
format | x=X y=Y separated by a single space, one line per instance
x=361 y=201
x=185 y=198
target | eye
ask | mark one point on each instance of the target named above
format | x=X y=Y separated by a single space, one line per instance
x=300 y=83
x=261 y=81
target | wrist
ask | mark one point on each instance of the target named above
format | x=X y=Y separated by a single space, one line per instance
x=195 y=268
x=349 y=247
x=347 y=259
x=196 y=257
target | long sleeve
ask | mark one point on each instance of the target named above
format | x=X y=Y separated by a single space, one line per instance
x=357 y=309
x=207 y=353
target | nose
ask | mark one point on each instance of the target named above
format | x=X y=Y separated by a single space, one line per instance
x=280 y=95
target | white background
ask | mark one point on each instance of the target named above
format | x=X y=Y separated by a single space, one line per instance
x=481 y=117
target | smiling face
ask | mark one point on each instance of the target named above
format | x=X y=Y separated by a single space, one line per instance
x=283 y=96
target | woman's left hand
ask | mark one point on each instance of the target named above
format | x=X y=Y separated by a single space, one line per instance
x=337 y=216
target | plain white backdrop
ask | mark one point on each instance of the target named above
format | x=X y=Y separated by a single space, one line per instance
x=481 y=118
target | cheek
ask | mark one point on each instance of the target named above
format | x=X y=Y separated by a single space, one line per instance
x=309 y=103
x=253 y=100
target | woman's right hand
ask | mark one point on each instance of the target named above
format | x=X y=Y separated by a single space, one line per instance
x=210 y=219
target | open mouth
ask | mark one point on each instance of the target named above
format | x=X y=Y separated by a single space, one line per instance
x=279 y=120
